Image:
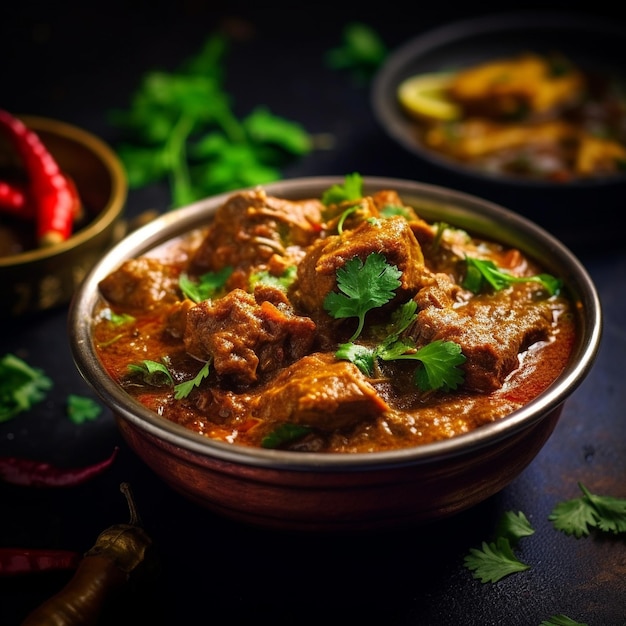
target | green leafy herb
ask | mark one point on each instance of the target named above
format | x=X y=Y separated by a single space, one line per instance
x=81 y=409
x=21 y=386
x=364 y=286
x=152 y=373
x=117 y=319
x=493 y=561
x=284 y=433
x=362 y=51
x=577 y=516
x=281 y=282
x=485 y=272
x=351 y=189
x=182 y=390
x=496 y=559
x=561 y=620
x=206 y=286
x=180 y=127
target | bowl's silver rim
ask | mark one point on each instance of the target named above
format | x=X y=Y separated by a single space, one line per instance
x=176 y=222
x=386 y=80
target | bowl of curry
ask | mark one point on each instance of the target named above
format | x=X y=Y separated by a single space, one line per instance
x=526 y=108
x=334 y=354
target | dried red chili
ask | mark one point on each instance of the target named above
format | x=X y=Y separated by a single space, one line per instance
x=51 y=192
x=16 y=561
x=30 y=473
x=13 y=200
x=121 y=552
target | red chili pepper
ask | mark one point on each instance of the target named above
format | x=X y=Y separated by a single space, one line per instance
x=13 y=200
x=52 y=193
x=29 y=473
x=14 y=561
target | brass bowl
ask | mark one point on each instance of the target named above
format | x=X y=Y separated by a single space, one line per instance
x=328 y=492
x=44 y=278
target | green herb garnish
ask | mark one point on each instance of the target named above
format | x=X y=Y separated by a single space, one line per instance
x=182 y=390
x=206 y=286
x=21 y=386
x=180 y=127
x=561 y=620
x=496 y=559
x=485 y=272
x=81 y=409
x=284 y=433
x=282 y=282
x=351 y=189
x=152 y=373
x=364 y=286
x=577 y=516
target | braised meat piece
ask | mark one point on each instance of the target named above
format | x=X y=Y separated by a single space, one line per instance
x=392 y=237
x=251 y=226
x=246 y=338
x=321 y=392
x=491 y=330
x=141 y=284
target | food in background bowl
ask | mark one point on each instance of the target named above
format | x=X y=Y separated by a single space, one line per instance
x=530 y=115
x=302 y=316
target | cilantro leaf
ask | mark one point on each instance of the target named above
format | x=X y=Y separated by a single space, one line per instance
x=21 y=386
x=361 y=356
x=352 y=189
x=81 y=409
x=362 y=51
x=206 y=286
x=514 y=526
x=182 y=390
x=480 y=272
x=493 y=561
x=152 y=373
x=578 y=515
x=561 y=620
x=284 y=433
x=365 y=286
x=283 y=282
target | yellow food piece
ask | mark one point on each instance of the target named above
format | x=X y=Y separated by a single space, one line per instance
x=523 y=83
x=598 y=155
x=424 y=96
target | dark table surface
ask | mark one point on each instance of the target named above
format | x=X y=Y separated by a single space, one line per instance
x=76 y=66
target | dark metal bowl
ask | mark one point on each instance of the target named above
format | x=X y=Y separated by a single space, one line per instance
x=344 y=492
x=44 y=278
x=576 y=211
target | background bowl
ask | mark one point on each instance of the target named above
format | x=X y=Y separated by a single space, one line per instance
x=562 y=208
x=43 y=278
x=340 y=492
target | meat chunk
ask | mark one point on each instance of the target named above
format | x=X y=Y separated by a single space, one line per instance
x=491 y=331
x=246 y=338
x=251 y=226
x=141 y=284
x=321 y=392
x=391 y=237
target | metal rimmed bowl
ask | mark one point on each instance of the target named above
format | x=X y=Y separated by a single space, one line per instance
x=43 y=278
x=590 y=41
x=344 y=492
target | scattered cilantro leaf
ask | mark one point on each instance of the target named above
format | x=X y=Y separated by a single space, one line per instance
x=180 y=128
x=81 y=409
x=364 y=286
x=480 y=273
x=493 y=561
x=206 y=286
x=117 y=319
x=182 y=390
x=351 y=189
x=577 y=516
x=561 y=620
x=284 y=433
x=21 y=386
x=152 y=373
x=361 y=356
x=362 y=51
x=514 y=526
x=281 y=282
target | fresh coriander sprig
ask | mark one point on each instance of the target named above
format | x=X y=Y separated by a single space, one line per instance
x=364 y=286
x=351 y=189
x=578 y=516
x=482 y=272
x=206 y=286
